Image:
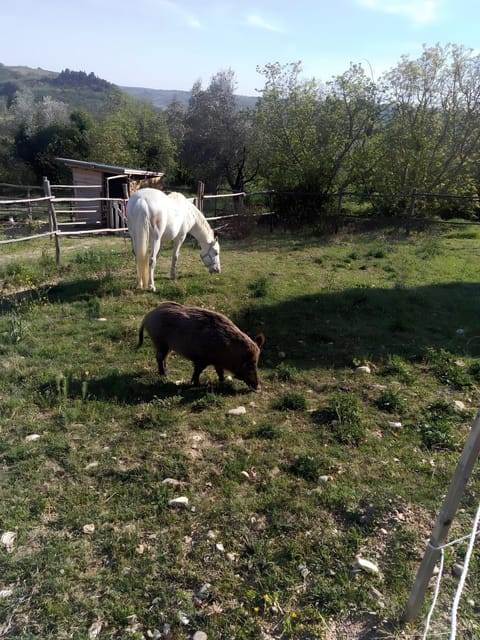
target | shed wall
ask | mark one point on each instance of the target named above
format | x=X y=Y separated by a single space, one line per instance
x=89 y=212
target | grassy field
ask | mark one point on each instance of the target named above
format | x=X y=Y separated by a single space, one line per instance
x=324 y=465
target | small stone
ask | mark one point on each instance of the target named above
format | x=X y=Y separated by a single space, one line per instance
x=238 y=411
x=231 y=557
x=6 y=593
x=459 y=405
x=101 y=319
x=91 y=465
x=32 y=437
x=219 y=547
x=89 y=529
x=460 y=332
x=363 y=369
x=282 y=354
x=323 y=479
x=366 y=565
x=182 y=501
x=183 y=618
x=7 y=539
x=395 y=425
x=95 y=629
x=457 y=569
x=171 y=481
x=200 y=635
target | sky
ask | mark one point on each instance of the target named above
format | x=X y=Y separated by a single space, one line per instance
x=171 y=44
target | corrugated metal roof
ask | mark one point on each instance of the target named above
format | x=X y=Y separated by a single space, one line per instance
x=108 y=168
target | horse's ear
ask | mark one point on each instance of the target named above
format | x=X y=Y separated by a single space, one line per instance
x=260 y=340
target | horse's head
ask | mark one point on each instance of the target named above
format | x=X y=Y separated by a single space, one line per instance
x=211 y=256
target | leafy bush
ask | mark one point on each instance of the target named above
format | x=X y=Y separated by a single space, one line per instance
x=437 y=428
x=348 y=426
x=285 y=372
x=293 y=401
x=259 y=288
x=446 y=368
x=307 y=467
x=391 y=400
x=396 y=366
x=209 y=401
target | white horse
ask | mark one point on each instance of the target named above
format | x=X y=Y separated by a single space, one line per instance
x=154 y=217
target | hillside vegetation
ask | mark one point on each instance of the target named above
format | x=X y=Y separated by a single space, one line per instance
x=95 y=96
x=77 y=89
x=325 y=464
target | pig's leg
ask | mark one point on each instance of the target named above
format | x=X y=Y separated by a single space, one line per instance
x=161 y=356
x=198 y=368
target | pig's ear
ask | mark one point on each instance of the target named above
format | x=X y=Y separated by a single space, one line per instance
x=260 y=340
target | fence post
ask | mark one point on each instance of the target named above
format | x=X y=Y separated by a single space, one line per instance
x=52 y=217
x=413 y=196
x=29 y=207
x=200 y=193
x=270 y=208
x=462 y=474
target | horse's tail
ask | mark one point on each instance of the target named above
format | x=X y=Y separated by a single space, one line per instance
x=139 y=228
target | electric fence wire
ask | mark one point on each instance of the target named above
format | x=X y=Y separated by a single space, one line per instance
x=472 y=536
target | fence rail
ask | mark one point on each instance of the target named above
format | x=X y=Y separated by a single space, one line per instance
x=117 y=207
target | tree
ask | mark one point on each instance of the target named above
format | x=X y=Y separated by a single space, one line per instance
x=313 y=139
x=40 y=148
x=135 y=135
x=431 y=127
x=216 y=147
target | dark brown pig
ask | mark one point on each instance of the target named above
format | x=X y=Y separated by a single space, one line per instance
x=204 y=337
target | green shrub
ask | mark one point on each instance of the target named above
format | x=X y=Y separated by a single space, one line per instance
x=293 y=401
x=436 y=429
x=397 y=367
x=307 y=467
x=391 y=400
x=285 y=372
x=259 y=288
x=446 y=369
x=348 y=426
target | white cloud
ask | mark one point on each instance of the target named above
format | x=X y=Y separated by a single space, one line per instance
x=258 y=22
x=420 y=12
x=175 y=9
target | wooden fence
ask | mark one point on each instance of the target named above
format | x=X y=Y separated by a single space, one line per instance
x=60 y=211
x=59 y=214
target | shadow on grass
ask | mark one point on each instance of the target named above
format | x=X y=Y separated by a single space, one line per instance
x=63 y=293
x=334 y=329
x=124 y=388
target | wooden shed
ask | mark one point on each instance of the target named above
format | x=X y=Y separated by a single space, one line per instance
x=94 y=180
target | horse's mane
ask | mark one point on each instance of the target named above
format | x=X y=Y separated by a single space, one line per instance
x=202 y=224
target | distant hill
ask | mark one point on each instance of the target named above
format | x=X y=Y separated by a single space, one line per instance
x=86 y=91
x=76 y=88
x=161 y=98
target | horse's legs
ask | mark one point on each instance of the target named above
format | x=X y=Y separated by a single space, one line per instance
x=220 y=373
x=153 y=257
x=177 y=243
